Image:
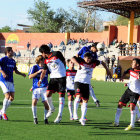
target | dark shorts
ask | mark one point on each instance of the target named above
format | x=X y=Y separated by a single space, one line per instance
x=70 y=92
x=82 y=89
x=129 y=96
x=57 y=85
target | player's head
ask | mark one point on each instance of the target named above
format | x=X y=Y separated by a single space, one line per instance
x=136 y=63
x=94 y=48
x=9 y=51
x=87 y=57
x=39 y=59
x=45 y=50
x=70 y=64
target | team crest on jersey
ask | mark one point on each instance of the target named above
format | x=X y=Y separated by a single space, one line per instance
x=54 y=65
x=78 y=90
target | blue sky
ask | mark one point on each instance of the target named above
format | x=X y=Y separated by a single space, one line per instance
x=15 y=11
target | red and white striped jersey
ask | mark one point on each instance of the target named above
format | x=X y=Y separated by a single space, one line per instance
x=70 y=76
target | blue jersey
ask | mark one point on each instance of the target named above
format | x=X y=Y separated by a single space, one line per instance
x=86 y=49
x=44 y=82
x=8 y=65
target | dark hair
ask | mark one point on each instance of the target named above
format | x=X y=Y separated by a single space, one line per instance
x=8 y=49
x=137 y=60
x=38 y=59
x=68 y=60
x=87 y=54
x=44 y=49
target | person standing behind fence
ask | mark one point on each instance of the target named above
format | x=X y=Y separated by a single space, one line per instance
x=135 y=48
x=28 y=45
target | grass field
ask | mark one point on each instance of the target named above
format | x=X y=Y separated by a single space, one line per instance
x=21 y=127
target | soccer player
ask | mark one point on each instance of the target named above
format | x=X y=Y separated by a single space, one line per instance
x=82 y=82
x=55 y=63
x=38 y=92
x=70 y=75
x=93 y=50
x=8 y=66
x=131 y=94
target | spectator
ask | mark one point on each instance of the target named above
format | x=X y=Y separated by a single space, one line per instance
x=135 y=48
x=62 y=43
x=28 y=45
x=107 y=61
x=119 y=71
x=113 y=59
x=114 y=73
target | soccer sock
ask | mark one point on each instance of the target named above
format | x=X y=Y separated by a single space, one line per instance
x=49 y=101
x=92 y=94
x=137 y=112
x=9 y=103
x=84 y=110
x=118 y=114
x=5 y=103
x=45 y=113
x=76 y=104
x=61 y=105
x=133 y=115
x=70 y=106
x=138 y=102
x=34 y=110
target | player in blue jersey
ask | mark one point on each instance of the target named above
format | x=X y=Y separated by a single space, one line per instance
x=93 y=50
x=38 y=92
x=8 y=66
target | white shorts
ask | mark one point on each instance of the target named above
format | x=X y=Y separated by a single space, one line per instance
x=7 y=87
x=40 y=92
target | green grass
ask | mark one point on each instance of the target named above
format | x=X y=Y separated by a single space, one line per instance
x=20 y=125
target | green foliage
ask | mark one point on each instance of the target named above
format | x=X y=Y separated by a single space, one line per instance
x=46 y=20
x=124 y=21
x=5 y=29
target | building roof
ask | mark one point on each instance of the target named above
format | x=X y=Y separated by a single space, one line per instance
x=121 y=7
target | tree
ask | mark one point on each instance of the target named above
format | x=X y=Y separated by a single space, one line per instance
x=5 y=29
x=124 y=21
x=43 y=18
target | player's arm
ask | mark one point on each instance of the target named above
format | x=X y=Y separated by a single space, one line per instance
x=61 y=57
x=80 y=52
x=19 y=73
x=44 y=70
x=75 y=60
x=107 y=69
x=125 y=72
x=42 y=76
x=35 y=74
x=3 y=73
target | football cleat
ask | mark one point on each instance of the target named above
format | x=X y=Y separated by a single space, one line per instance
x=75 y=117
x=58 y=119
x=71 y=118
x=129 y=128
x=114 y=124
x=0 y=115
x=4 y=116
x=82 y=121
x=46 y=121
x=35 y=121
x=50 y=112
x=97 y=103
x=85 y=119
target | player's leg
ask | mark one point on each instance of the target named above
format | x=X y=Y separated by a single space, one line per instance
x=85 y=97
x=92 y=94
x=46 y=108
x=61 y=90
x=51 y=89
x=123 y=101
x=4 y=107
x=34 y=110
x=137 y=113
x=133 y=101
x=70 y=106
x=44 y=101
x=77 y=99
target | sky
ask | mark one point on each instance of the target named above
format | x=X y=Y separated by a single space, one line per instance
x=14 y=12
